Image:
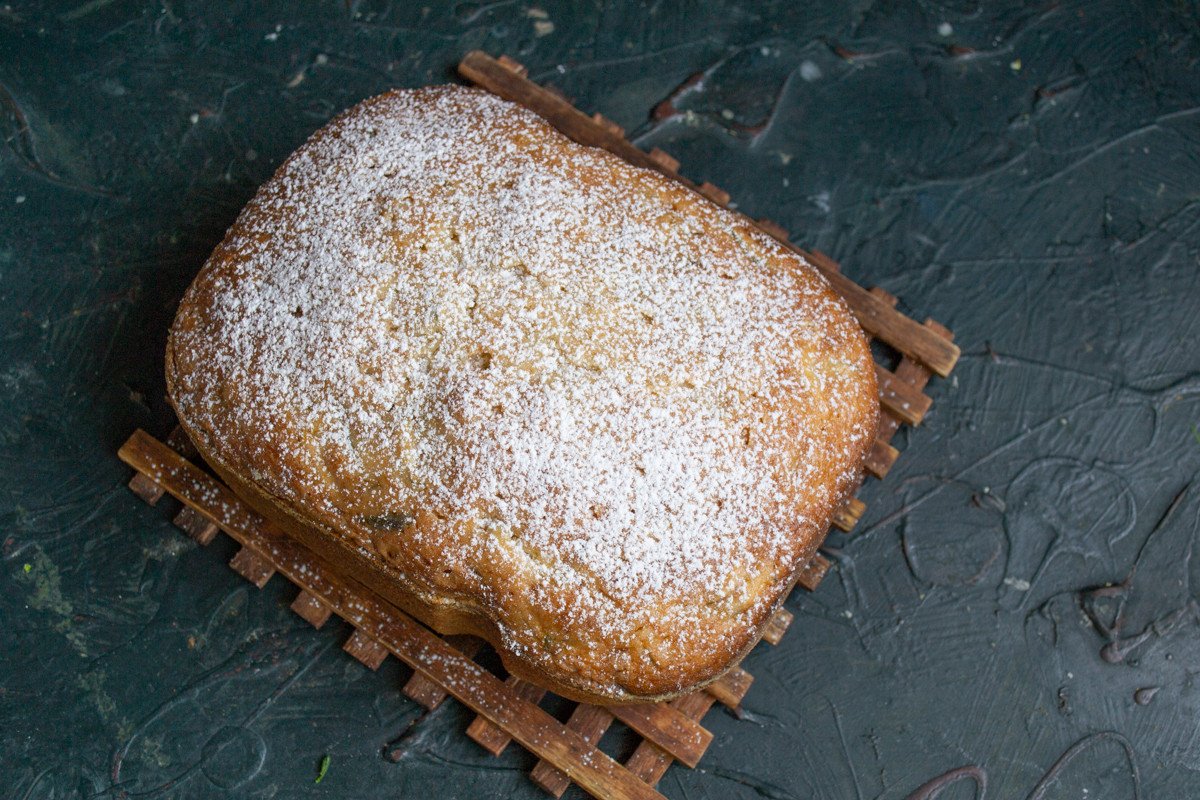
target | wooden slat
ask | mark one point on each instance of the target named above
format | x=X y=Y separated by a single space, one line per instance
x=889 y=325
x=513 y=66
x=856 y=507
x=649 y=761
x=812 y=574
x=492 y=738
x=877 y=318
x=908 y=371
x=681 y=736
x=604 y=122
x=252 y=566
x=880 y=458
x=590 y=722
x=730 y=688
x=474 y=686
x=195 y=525
x=901 y=399
x=423 y=690
x=938 y=328
x=147 y=490
x=901 y=331
x=714 y=193
x=310 y=609
x=848 y=515
x=777 y=626
x=664 y=160
x=366 y=651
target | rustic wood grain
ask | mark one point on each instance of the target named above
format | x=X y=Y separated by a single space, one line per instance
x=194 y=524
x=146 y=489
x=680 y=735
x=812 y=574
x=493 y=738
x=429 y=694
x=880 y=458
x=252 y=566
x=902 y=399
x=731 y=688
x=848 y=515
x=649 y=761
x=365 y=650
x=310 y=609
x=590 y=722
x=777 y=626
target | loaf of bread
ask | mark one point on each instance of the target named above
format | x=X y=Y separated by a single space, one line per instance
x=526 y=391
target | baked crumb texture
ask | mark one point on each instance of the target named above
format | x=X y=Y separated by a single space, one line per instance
x=537 y=393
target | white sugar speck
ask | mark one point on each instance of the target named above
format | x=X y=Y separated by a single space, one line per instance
x=810 y=72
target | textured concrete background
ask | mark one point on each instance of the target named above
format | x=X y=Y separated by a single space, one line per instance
x=1027 y=174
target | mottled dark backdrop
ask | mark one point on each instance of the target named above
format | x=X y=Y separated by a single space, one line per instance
x=1027 y=174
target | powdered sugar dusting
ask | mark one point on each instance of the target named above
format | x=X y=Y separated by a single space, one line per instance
x=524 y=374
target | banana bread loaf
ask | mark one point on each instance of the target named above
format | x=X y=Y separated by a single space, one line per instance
x=526 y=391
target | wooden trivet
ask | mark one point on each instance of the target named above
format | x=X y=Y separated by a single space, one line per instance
x=509 y=710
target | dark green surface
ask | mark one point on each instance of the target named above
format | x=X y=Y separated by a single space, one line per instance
x=1029 y=175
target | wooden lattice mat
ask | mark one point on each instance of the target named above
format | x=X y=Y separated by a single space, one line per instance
x=509 y=710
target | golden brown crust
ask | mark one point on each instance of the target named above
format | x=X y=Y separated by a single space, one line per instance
x=527 y=391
